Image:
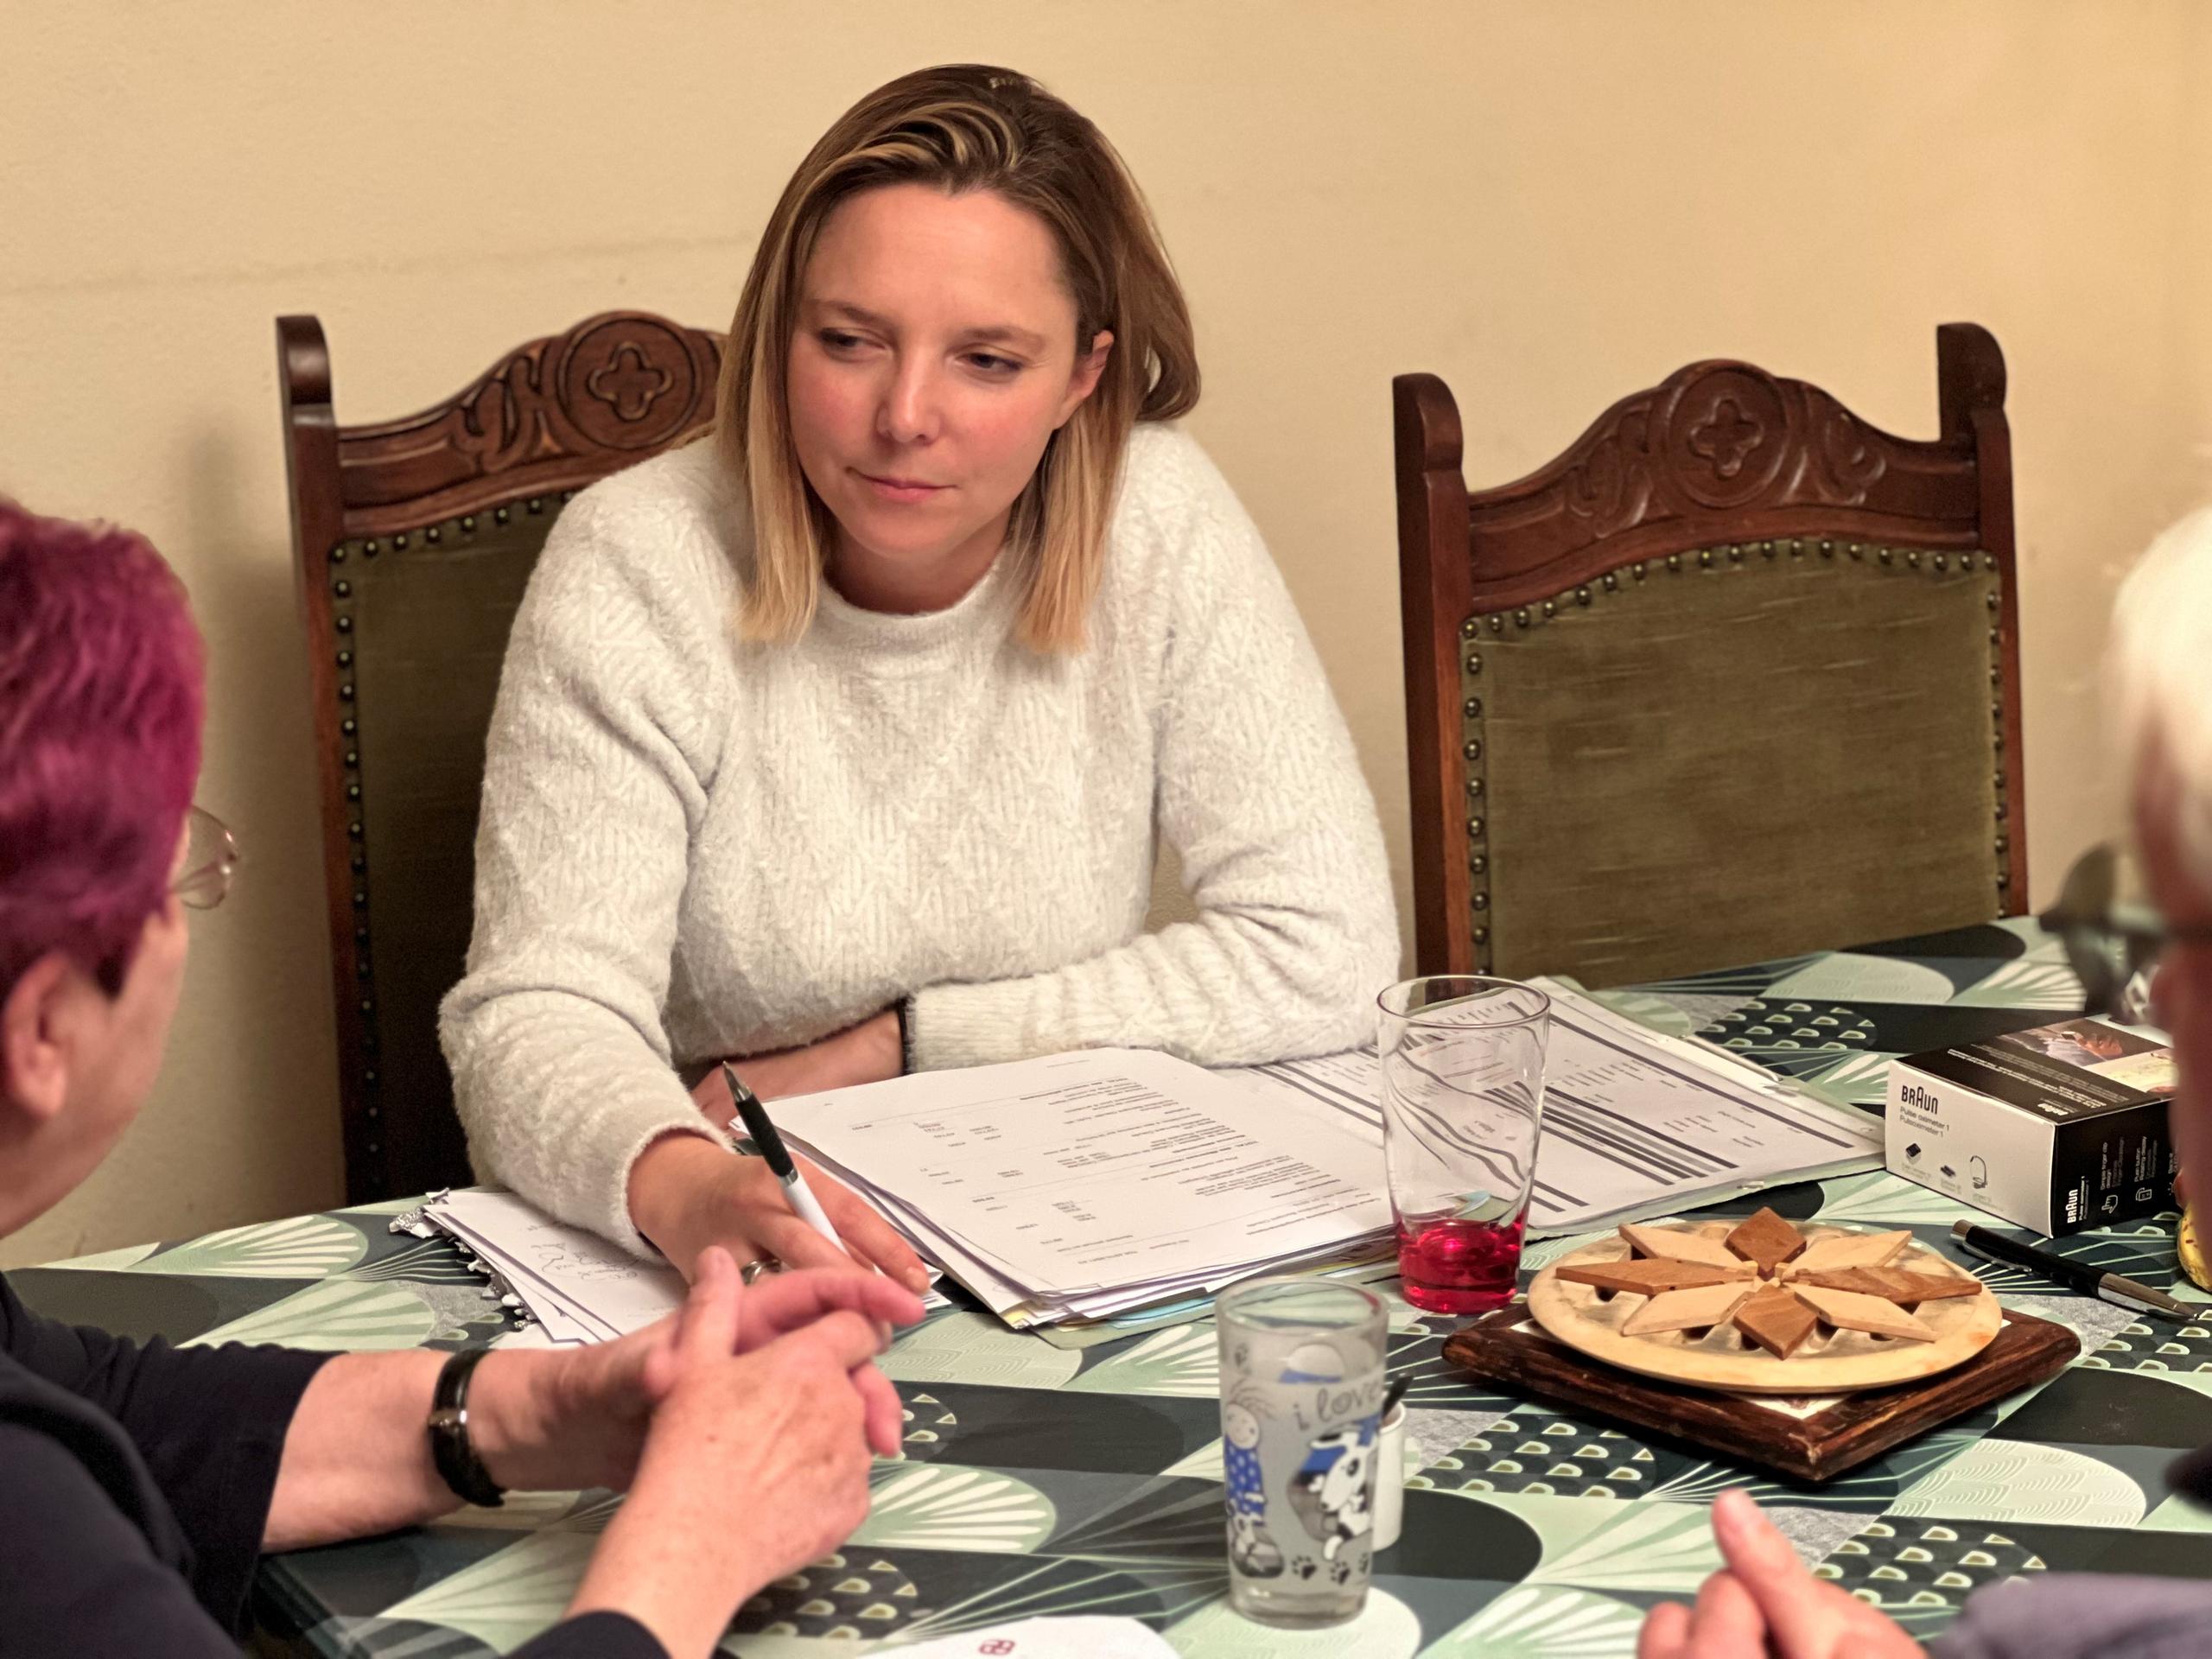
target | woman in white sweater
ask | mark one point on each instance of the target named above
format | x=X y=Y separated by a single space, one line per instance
x=840 y=742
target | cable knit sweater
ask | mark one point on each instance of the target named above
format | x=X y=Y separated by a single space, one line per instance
x=692 y=848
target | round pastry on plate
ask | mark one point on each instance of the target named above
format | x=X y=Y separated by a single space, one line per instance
x=1766 y=1307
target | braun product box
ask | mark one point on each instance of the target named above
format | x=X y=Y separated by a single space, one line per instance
x=2057 y=1128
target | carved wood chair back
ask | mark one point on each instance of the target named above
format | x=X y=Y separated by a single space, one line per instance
x=1735 y=678
x=413 y=540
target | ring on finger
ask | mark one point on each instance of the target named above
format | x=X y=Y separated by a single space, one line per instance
x=758 y=1268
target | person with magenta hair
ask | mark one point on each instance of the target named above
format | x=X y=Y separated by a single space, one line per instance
x=139 y=1483
x=841 y=743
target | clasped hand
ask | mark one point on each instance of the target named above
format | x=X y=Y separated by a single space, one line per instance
x=575 y=1417
x=741 y=1427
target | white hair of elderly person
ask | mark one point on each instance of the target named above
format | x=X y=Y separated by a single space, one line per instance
x=1765 y=1601
x=2160 y=672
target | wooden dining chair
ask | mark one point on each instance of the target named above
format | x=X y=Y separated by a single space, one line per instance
x=413 y=540
x=1735 y=678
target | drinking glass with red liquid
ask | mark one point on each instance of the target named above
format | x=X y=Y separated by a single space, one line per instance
x=1463 y=1099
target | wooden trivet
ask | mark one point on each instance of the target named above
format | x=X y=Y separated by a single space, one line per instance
x=1809 y=1440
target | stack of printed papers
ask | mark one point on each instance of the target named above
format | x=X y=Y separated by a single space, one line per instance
x=1636 y=1122
x=1078 y=1185
x=1069 y=1190
x=574 y=1285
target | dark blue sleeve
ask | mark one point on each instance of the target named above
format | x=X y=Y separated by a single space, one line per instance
x=2082 y=1615
x=594 y=1636
x=209 y=1423
x=80 y=1578
x=76 y=1576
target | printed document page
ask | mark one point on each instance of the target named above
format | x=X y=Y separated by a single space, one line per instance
x=1100 y=1169
x=1635 y=1123
x=581 y=1275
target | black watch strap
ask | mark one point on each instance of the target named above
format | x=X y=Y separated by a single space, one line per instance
x=450 y=1447
x=906 y=1007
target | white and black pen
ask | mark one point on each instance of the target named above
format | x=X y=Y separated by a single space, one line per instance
x=780 y=1162
x=2083 y=1276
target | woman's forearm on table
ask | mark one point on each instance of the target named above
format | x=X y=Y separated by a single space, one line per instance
x=357 y=1458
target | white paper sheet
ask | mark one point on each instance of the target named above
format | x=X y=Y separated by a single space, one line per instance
x=1084 y=1184
x=1635 y=1123
x=584 y=1273
x=578 y=1287
x=1086 y=1637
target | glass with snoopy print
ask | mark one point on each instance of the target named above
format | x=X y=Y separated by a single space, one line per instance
x=1301 y=1396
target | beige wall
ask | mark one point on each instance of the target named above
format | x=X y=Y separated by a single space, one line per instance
x=1550 y=205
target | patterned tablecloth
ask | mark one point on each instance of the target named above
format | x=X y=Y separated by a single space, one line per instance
x=1037 y=1479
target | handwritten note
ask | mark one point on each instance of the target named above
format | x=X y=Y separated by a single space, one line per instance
x=586 y=1275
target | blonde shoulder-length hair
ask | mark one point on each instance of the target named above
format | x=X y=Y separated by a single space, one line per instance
x=964 y=127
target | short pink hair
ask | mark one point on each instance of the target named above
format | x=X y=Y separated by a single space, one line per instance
x=102 y=696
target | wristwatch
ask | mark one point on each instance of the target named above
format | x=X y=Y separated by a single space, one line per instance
x=450 y=1448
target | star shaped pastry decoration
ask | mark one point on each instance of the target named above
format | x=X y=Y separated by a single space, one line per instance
x=1771 y=1282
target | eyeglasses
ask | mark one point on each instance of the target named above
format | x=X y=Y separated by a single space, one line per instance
x=210 y=856
x=2112 y=935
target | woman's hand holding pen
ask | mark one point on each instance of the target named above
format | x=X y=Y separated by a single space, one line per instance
x=687 y=1192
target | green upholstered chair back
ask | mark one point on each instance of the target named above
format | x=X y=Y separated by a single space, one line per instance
x=1736 y=678
x=413 y=541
